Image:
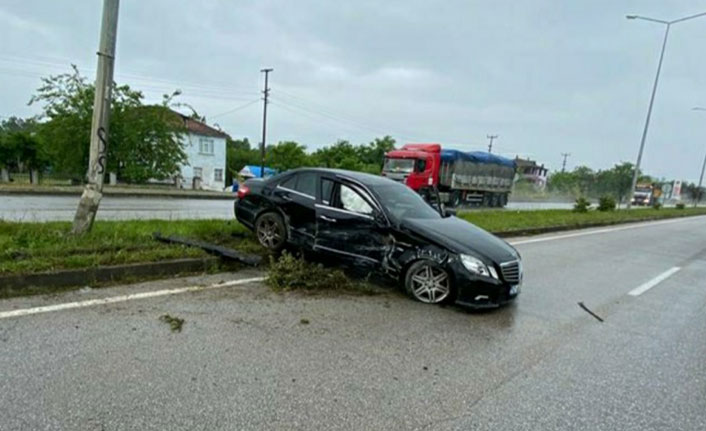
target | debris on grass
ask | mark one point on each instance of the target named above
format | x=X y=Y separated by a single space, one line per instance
x=215 y=249
x=294 y=273
x=174 y=323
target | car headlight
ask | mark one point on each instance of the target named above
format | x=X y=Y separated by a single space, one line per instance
x=476 y=266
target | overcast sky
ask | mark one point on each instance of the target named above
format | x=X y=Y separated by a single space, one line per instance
x=546 y=76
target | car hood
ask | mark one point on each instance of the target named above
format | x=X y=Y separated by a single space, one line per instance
x=461 y=236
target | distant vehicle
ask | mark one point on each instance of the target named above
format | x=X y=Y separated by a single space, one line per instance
x=376 y=222
x=476 y=177
x=646 y=194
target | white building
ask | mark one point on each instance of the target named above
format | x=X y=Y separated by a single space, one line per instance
x=205 y=149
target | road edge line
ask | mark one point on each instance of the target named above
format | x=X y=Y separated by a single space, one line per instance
x=122 y=298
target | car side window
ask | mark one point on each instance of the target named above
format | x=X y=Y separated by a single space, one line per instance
x=326 y=190
x=289 y=183
x=306 y=183
x=352 y=201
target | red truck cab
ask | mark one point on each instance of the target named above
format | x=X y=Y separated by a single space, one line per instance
x=415 y=165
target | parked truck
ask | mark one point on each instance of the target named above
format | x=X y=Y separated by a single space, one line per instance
x=459 y=178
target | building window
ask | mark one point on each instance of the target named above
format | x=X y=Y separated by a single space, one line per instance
x=205 y=146
x=218 y=174
x=198 y=172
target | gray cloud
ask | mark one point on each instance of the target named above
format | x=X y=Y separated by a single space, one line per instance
x=547 y=76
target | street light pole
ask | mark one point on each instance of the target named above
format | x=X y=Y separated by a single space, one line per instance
x=636 y=173
x=703 y=167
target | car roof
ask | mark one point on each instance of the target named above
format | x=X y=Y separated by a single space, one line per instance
x=361 y=177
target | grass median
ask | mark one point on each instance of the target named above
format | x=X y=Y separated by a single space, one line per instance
x=508 y=222
x=36 y=247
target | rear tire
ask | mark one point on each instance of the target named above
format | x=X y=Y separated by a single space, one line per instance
x=271 y=232
x=427 y=282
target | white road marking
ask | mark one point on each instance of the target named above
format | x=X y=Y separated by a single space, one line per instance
x=598 y=231
x=122 y=298
x=654 y=282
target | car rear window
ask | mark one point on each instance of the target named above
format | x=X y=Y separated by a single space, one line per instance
x=326 y=190
x=289 y=183
x=306 y=183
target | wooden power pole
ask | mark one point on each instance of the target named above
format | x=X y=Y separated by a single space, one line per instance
x=93 y=191
x=490 y=144
x=266 y=92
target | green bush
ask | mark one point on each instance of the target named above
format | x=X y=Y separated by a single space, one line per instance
x=606 y=203
x=581 y=206
x=657 y=205
x=680 y=206
x=294 y=273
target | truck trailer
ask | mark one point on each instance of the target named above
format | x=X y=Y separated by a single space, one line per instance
x=459 y=178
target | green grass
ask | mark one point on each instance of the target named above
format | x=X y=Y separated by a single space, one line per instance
x=34 y=247
x=499 y=221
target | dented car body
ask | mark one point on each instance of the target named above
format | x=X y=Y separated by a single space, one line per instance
x=373 y=221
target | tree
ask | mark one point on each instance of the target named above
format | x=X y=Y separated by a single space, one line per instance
x=239 y=154
x=145 y=141
x=20 y=148
x=693 y=191
x=8 y=152
x=374 y=152
x=619 y=180
x=341 y=155
x=287 y=155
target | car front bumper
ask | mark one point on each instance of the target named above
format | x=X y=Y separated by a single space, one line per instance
x=481 y=292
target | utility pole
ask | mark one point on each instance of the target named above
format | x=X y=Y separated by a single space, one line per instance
x=490 y=145
x=266 y=92
x=701 y=182
x=97 y=163
x=563 y=164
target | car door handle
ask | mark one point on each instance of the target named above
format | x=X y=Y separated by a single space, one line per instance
x=286 y=197
x=328 y=219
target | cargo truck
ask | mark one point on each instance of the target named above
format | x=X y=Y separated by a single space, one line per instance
x=456 y=177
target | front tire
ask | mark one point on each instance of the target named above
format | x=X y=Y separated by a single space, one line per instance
x=271 y=232
x=428 y=282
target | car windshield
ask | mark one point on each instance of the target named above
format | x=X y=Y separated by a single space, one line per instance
x=398 y=165
x=401 y=202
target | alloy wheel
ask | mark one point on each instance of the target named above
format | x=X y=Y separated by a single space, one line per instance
x=430 y=284
x=270 y=232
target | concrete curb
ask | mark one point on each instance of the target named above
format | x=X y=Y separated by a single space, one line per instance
x=102 y=274
x=76 y=191
x=551 y=229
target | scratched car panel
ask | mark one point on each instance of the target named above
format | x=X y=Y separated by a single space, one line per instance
x=371 y=221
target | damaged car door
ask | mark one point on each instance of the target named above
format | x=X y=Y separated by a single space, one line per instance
x=349 y=223
x=296 y=196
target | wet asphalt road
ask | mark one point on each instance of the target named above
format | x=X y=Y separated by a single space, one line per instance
x=49 y=208
x=245 y=361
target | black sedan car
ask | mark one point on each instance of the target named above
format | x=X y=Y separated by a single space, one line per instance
x=370 y=220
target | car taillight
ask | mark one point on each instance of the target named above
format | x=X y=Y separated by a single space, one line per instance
x=243 y=191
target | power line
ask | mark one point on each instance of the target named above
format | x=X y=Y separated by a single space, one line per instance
x=320 y=120
x=61 y=64
x=238 y=108
x=342 y=120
